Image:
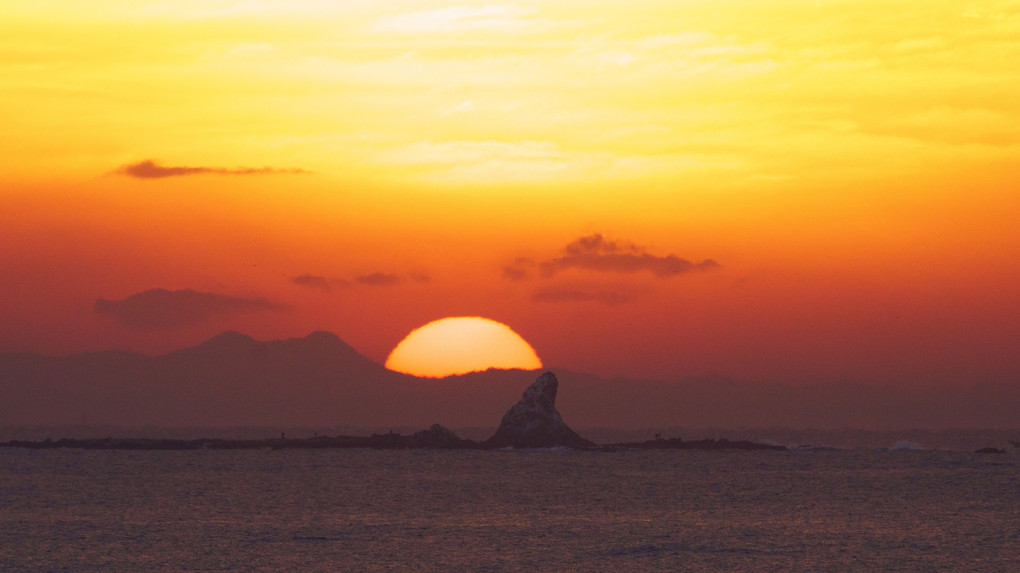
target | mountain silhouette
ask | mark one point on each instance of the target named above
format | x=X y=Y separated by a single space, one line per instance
x=321 y=381
x=234 y=380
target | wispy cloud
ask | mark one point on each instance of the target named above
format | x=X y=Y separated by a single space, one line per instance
x=519 y=270
x=460 y=18
x=149 y=169
x=474 y=151
x=160 y=308
x=311 y=281
x=233 y=9
x=375 y=279
x=473 y=161
x=379 y=279
x=318 y=282
x=608 y=297
x=598 y=254
x=463 y=107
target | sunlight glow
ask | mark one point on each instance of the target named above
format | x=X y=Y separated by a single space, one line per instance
x=459 y=345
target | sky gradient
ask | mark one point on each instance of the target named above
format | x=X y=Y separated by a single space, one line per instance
x=799 y=191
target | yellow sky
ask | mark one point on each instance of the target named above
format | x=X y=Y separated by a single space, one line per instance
x=807 y=141
x=709 y=114
x=724 y=93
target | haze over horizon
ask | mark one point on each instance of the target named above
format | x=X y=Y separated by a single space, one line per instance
x=804 y=194
x=232 y=380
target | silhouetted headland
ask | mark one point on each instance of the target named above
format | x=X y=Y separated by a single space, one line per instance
x=533 y=422
x=679 y=444
x=320 y=381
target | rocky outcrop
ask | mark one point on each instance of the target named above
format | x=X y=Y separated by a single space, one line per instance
x=439 y=437
x=534 y=422
x=679 y=444
x=436 y=438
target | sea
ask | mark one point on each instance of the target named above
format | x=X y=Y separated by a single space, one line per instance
x=900 y=507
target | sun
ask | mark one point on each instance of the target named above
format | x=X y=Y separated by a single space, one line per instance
x=461 y=344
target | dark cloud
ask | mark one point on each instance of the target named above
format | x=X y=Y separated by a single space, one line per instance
x=149 y=169
x=519 y=270
x=161 y=308
x=379 y=279
x=611 y=298
x=314 y=281
x=595 y=253
x=598 y=244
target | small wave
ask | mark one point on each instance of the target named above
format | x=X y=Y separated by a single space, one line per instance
x=811 y=448
x=663 y=549
x=905 y=445
x=315 y=538
x=537 y=450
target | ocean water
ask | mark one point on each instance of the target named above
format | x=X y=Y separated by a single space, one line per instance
x=547 y=510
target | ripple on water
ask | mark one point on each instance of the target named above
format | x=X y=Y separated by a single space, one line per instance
x=495 y=511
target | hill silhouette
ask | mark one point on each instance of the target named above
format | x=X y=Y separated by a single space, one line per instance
x=319 y=380
x=234 y=380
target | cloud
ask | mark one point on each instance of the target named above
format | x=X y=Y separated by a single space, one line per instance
x=463 y=107
x=459 y=18
x=149 y=169
x=161 y=308
x=379 y=279
x=315 y=281
x=611 y=298
x=519 y=269
x=596 y=253
x=272 y=10
x=478 y=161
x=375 y=279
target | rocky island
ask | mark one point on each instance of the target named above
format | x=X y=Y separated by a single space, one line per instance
x=533 y=422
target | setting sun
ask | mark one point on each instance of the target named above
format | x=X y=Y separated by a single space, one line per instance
x=277 y=224
x=459 y=345
x=798 y=192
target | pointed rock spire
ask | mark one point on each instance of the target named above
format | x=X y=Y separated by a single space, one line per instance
x=534 y=422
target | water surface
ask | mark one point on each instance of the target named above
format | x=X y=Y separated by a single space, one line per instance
x=508 y=510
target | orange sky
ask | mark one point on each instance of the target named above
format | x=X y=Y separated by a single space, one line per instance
x=365 y=168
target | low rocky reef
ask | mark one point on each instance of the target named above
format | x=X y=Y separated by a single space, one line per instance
x=533 y=422
x=417 y=440
x=436 y=437
x=678 y=444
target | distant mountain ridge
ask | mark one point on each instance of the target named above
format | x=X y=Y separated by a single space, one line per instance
x=319 y=380
x=233 y=380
